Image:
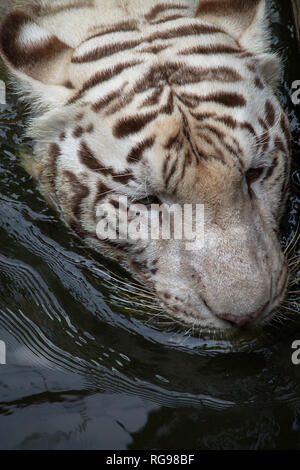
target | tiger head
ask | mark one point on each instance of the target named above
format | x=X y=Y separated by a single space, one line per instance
x=169 y=103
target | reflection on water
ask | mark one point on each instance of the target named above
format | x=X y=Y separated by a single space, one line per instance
x=89 y=363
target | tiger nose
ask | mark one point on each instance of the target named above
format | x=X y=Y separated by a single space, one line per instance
x=241 y=320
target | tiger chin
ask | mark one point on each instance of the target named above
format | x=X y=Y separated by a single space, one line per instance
x=169 y=102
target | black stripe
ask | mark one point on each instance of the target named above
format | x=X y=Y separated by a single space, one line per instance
x=124 y=26
x=136 y=152
x=105 y=51
x=161 y=7
x=186 y=30
x=132 y=124
x=211 y=49
x=103 y=76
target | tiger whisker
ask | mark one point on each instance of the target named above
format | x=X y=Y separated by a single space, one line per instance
x=153 y=317
x=119 y=279
x=146 y=293
x=293 y=241
x=122 y=174
x=291 y=310
x=140 y=304
x=131 y=292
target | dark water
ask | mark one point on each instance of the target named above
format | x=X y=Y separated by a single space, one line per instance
x=87 y=368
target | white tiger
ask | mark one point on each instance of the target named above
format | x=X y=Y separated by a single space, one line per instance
x=170 y=101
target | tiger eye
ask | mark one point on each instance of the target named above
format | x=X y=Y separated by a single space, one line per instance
x=148 y=200
x=253 y=174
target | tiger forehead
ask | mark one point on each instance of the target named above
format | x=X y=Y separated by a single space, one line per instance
x=143 y=59
x=152 y=86
x=181 y=123
x=143 y=37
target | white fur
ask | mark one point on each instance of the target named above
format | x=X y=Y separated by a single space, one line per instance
x=240 y=268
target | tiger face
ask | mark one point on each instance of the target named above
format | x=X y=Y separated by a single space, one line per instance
x=169 y=103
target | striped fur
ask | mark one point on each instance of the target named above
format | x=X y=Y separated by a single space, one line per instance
x=174 y=100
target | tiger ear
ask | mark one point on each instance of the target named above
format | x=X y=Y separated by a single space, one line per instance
x=244 y=20
x=31 y=52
